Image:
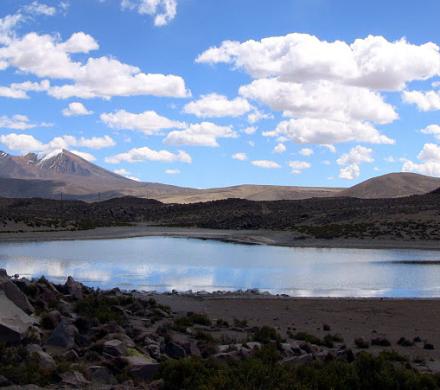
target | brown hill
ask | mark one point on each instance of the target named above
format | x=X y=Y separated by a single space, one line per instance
x=393 y=185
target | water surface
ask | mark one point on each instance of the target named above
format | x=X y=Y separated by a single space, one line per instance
x=163 y=263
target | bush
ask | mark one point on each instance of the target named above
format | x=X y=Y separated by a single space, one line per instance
x=266 y=335
x=263 y=371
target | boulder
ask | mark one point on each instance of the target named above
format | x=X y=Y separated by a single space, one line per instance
x=115 y=348
x=74 y=288
x=102 y=375
x=175 y=351
x=45 y=361
x=63 y=336
x=14 y=322
x=141 y=367
x=13 y=293
x=74 y=379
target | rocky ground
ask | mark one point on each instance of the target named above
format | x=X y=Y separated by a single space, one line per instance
x=71 y=336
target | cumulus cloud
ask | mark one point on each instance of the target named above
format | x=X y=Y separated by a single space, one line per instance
x=250 y=130
x=425 y=101
x=257 y=115
x=26 y=143
x=240 y=156
x=163 y=11
x=200 y=134
x=352 y=160
x=16 y=122
x=429 y=163
x=146 y=154
x=125 y=173
x=267 y=164
x=299 y=166
x=20 y=90
x=306 y=152
x=148 y=122
x=433 y=130
x=47 y=56
x=279 y=148
x=76 y=109
x=327 y=131
x=86 y=156
x=321 y=99
x=21 y=142
x=217 y=106
x=172 y=171
x=372 y=62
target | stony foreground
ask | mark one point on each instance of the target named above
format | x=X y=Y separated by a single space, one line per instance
x=71 y=336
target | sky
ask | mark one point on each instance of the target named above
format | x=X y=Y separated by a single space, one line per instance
x=208 y=93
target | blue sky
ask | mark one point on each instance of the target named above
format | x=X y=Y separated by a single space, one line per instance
x=207 y=93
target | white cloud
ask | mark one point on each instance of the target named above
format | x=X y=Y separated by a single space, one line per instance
x=27 y=143
x=37 y=8
x=352 y=160
x=240 y=156
x=429 y=164
x=217 y=106
x=330 y=148
x=200 y=134
x=67 y=141
x=76 y=109
x=146 y=154
x=172 y=171
x=21 y=142
x=279 y=148
x=307 y=152
x=327 y=131
x=321 y=99
x=372 y=62
x=19 y=122
x=432 y=129
x=425 y=101
x=125 y=173
x=250 y=130
x=350 y=172
x=19 y=90
x=299 y=166
x=86 y=156
x=163 y=11
x=148 y=122
x=267 y=164
x=47 y=56
x=257 y=115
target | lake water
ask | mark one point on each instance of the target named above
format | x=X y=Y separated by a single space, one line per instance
x=162 y=264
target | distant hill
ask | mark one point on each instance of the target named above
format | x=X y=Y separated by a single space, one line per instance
x=393 y=185
x=63 y=172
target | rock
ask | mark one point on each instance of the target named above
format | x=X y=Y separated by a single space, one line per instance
x=45 y=361
x=74 y=288
x=74 y=379
x=4 y=381
x=13 y=293
x=51 y=319
x=252 y=345
x=14 y=322
x=175 y=351
x=71 y=355
x=101 y=375
x=142 y=367
x=63 y=336
x=114 y=348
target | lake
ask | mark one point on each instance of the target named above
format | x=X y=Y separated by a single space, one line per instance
x=163 y=264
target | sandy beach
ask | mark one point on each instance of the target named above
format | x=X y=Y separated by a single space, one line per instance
x=251 y=237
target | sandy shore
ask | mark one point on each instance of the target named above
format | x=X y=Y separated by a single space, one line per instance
x=257 y=237
x=350 y=318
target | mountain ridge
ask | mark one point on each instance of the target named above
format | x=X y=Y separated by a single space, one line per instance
x=49 y=176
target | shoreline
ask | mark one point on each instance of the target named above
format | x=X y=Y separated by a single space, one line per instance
x=247 y=237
